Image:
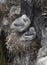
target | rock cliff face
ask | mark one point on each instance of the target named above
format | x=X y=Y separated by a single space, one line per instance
x=23 y=31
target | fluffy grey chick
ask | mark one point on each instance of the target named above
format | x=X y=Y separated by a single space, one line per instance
x=21 y=23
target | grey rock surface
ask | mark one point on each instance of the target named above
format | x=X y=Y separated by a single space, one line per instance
x=39 y=25
x=42 y=56
x=28 y=9
x=15 y=10
x=44 y=37
x=42 y=61
x=2 y=1
x=5 y=22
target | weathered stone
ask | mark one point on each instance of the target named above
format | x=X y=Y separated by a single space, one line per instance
x=42 y=61
x=39 y=25
x=5 y=21
x=42 y=56
x=3 y=6
x=13 y=2
x=15 y=10
x=2 y=1
x=44 y=37
x=27 y=7
x=21 y=24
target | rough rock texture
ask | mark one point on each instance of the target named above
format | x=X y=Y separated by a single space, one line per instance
x=28 y=9
x=14 y=11
x=42 y=56
x=44 y=37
